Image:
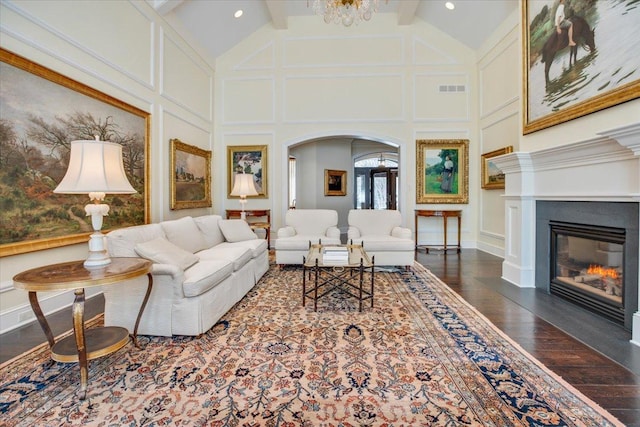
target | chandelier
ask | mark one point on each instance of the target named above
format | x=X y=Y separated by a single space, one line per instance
x=345 y=11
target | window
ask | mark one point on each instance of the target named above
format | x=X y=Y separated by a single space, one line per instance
x=292 y=182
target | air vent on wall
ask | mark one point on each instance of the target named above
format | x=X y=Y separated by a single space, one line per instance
x=452 y=88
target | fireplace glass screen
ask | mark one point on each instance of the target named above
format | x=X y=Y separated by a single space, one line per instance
x=589 y=268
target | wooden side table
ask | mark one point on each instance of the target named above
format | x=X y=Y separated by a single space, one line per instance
x=83 y=345
x=444 y=215
x=256 y=213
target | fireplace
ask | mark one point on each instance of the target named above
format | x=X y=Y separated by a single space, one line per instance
x=587 y=267
x=587 y=253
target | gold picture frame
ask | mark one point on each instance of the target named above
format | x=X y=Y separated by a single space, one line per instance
x=190 y=182
x=492 y=177
x=553 y=94
x=442 y=171
x=335 y=182
x=248 y=159
x=47 y=111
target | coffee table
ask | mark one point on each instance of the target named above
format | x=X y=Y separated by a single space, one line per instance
x=350 y=277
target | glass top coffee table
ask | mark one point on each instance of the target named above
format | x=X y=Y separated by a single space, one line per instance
x=351 y=274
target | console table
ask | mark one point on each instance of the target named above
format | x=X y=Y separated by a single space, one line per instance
x=83 y=345
x=256 y=213
x=445 y=215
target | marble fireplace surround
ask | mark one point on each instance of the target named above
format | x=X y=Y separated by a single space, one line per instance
x=601 y=169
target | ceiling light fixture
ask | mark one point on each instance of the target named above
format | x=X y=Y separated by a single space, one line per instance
x=238 y=13
x=345 y=11
x=449 y=5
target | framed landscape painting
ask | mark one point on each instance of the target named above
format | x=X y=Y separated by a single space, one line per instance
x=335 y=183
x=562 y=83
x=492 y=176
x=41 y=113
x=190 y=183
x=248 y=159
x=442 y=171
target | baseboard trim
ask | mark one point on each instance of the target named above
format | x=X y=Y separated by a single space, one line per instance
x=23 y=315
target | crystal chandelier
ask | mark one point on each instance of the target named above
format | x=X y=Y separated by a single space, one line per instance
x=345 y=11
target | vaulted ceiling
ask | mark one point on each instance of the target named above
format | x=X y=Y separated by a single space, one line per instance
x=212 y=25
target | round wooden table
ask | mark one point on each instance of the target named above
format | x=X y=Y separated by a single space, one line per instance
x=92 y=343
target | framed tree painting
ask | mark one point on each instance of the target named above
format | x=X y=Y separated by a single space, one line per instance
x=442 y=171
x=190 y=183
x=335 y=183
x=492 y=176
x=562 y=82
x=41 y=113
x=248 y=159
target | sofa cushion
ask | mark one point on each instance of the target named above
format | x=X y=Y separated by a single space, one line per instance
x=184 y=233
x=238 y=255
x=236 y=230
x=205 y=275
x=208 y=225
x=121 y=242
x=257 y=246
x=162 y=251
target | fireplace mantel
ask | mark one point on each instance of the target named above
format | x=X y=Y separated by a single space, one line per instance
x=603 y=168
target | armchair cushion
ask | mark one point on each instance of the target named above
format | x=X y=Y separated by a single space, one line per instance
x=236 y=230
x=162 y=251
x=314 y=222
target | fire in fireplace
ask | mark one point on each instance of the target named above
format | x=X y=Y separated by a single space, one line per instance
x=588 y=267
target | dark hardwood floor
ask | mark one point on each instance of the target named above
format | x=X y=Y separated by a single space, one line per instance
x=592 y=354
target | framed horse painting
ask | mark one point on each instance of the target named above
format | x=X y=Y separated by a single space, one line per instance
x=578 y=57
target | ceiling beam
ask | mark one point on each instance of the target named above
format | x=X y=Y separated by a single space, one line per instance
x=165 y=6
x=278 y=13
x=407 y=11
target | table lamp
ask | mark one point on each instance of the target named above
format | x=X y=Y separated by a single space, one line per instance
x=96 y=168
x=243 y=186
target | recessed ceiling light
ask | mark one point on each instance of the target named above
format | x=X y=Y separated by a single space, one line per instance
x=238 y=13
x=449 y=5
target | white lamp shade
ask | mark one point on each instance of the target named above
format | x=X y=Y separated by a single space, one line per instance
x=95 y=166
x=243 y=185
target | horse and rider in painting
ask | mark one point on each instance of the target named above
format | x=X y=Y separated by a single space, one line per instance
x=582 y=35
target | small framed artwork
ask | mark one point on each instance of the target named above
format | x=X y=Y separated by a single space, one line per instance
x=335 y=183
x=248 y=159
x=191 y=179
x=442 y=171
x=492 y=176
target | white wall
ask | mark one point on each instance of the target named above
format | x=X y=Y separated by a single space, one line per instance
x=379 y=81
x=125 y=50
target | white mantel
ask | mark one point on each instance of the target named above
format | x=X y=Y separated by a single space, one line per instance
x=605 y=168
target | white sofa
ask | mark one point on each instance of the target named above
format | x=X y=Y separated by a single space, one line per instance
x=202 y=267
x=301 y=227
x=381 y=235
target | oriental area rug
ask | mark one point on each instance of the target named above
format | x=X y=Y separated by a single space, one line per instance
x=421 y=356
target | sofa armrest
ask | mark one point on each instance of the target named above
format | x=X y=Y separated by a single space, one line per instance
x=401 y=232
x=333 y=232
x=286 y=232
x=174 y=271
x=353 y=233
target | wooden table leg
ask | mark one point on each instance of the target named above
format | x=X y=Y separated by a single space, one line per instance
x=35 y=306
x=134 y=337
x=78 y=329
x=459 y=231
x=444 y=219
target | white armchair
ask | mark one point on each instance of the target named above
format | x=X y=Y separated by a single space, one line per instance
x=301 y=227
x=381 y=235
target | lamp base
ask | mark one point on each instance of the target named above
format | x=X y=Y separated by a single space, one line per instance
x=98 y=255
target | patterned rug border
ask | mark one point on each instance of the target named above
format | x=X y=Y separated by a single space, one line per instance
x=518 y=347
